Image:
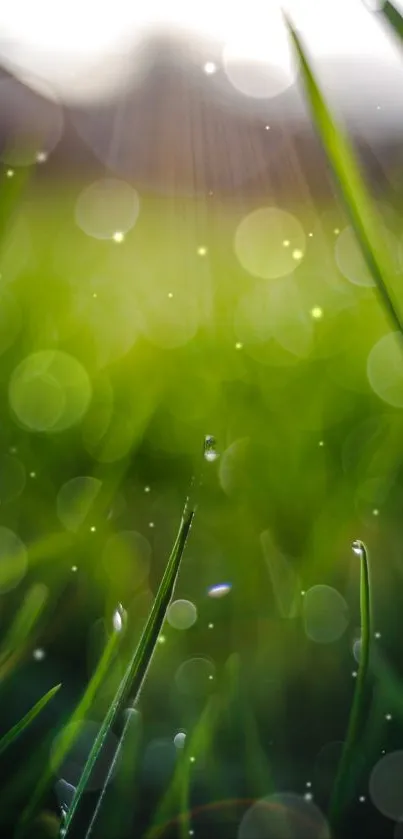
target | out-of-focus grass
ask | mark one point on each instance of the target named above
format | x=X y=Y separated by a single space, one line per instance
x=22 y=724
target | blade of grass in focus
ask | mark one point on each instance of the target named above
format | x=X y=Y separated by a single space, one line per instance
x=136 y=670
x=66 y=741
x=349 y=180
x=357 y=716
x=393 y=18
x=23 y=723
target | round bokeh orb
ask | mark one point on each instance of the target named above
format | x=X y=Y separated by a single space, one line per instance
x=107 y=208
x=325 y=614
x=386 y=784
x=269 y=243
x=385 y=369
x=13 y=559
x=182 y=614
x=283 y=816
x=74 y=500
x=49 y=391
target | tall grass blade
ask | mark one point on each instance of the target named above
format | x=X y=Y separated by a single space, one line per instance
x=21 y=631
x=23 y=723
x=350 y=183
x=355 y=725
x=393 y=18
x=136 y=670
x=66 y=740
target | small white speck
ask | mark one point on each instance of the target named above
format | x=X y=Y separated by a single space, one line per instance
x=211 y=626
x=74 y=568
x=388 y=717
x=95 y=294
x=375 y=512
x=297 y=254
x=191 y=832
x=378 y=107
x=383 y=752
x=377 y=634
x=317 y=312
x=170 y=295
x=147 y=489
x=32 y=474
x=118 y=236
x=161 y=639
x=39 y=654
x=41 y=157
x=10 y=173
x=336 y=231
x=310 y=235
x=286 y=243
x=93 y=528
x=210 y=68
x=308 y=784
x=267 y=127
x=202 y=250
x=151 y=524
x=354 y=674
x=211 y=678
x=238 y=345
x=321 y=443
x=192 y=759
x=302 y=593
x=361 y=798
x=308 y=796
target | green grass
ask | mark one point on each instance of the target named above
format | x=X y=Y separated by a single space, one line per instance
x=343 y=793
x=23 y=723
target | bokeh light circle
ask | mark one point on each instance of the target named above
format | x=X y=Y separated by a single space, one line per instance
x=107 y=208
x=265 y=68
x=182 y=614
x=13 y=559
x=283 y=816
x=269 y=243
x=385 y=369
x=49 y=391
x=74 y=500
x=32 y=124
x=386 y=784
x=192 y=678
x=325 y=614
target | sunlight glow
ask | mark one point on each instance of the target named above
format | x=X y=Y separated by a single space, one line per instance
x=84 y=48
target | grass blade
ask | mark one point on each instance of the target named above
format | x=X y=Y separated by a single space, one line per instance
x=21 y=631
x=23 y=723
x=357 y=714
x=393 y=18
x=137 y=668
x=349 y=180
x=65 y=742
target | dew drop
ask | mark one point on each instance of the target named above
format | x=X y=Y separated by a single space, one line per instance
x=358 y=548
x=119 y=617
x=38 y=654
x=180 y=739
x=210 y=451
x=219 y=590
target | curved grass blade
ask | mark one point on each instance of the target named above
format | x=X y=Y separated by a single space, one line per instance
x=22 y=628
x=64 y=743
x=393 y=18
x=350 y=183
x=23 y=723
x=136 y=670
x=357 y=715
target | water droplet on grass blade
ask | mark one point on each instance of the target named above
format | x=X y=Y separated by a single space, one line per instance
x=219 y=590
x=358 y=548
x=119 y=618
x=180 y=739
x=210 y=451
